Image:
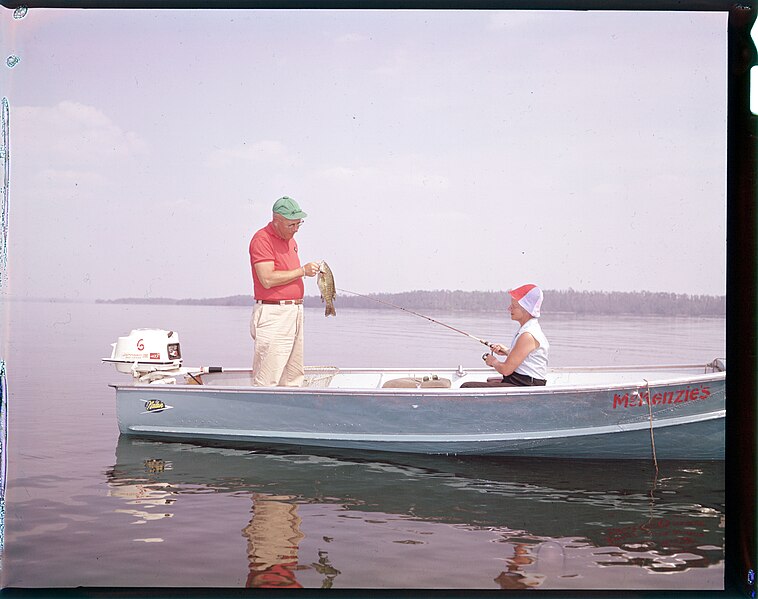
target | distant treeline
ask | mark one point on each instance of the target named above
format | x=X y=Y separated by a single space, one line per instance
x=577 y=302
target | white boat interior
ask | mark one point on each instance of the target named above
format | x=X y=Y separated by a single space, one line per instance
x=448 y=378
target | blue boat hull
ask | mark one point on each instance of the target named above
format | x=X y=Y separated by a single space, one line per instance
x=679 y=419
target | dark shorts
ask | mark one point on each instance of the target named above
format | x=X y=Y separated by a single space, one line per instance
x=512 y=380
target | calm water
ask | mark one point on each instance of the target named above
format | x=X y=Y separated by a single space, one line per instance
x=86 y=508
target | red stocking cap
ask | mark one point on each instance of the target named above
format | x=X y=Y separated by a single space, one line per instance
x=529 y=298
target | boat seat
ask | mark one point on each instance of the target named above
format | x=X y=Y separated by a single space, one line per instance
x=417 y=382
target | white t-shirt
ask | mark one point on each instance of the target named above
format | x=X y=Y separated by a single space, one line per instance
x=535 y=364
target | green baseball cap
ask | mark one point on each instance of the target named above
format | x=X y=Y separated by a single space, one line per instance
x=288 y=208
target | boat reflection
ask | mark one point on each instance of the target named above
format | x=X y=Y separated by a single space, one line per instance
x=546 y=511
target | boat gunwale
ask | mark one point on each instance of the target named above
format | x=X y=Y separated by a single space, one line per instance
x=479 y=369
x=455 y=392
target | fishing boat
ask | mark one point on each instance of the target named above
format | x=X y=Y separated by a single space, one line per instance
x=633 y=412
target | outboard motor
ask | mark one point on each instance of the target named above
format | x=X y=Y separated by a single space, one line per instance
x=146 y=351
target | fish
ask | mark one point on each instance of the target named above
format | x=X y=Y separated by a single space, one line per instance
x=326 y=287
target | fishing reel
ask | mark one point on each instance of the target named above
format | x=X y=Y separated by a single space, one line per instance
x=491 y=352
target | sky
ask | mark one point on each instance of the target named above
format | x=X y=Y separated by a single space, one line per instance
x=473 y=150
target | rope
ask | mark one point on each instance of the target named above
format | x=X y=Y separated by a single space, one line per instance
x=652 y=434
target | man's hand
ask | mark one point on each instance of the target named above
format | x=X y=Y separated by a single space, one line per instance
x=311 y=269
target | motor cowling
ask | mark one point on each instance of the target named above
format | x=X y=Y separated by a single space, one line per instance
x=146 y=350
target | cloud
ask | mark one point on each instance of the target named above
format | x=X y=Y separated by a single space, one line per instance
x=265 y=153
x=69 y=135
x=427 y=180
x=390 y=176
x=351 y=38
x=67 y=178
x=398 y=63
x=341 y=174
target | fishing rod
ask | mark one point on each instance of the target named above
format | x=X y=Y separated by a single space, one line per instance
x=373 y=299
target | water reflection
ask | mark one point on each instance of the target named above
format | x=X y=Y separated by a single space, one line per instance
x=539 y=523
x=273 y=535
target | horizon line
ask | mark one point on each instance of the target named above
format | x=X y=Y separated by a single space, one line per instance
x=16 y=297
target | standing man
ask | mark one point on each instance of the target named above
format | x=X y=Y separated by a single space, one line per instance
x=277 y=321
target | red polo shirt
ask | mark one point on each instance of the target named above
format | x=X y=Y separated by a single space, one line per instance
x=267 y=246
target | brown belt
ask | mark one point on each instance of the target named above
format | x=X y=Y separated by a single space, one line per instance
x=280 y=302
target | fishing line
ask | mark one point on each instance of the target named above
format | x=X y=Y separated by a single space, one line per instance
x=373 y=299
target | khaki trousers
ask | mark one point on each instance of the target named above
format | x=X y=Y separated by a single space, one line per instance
x=278 y=334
